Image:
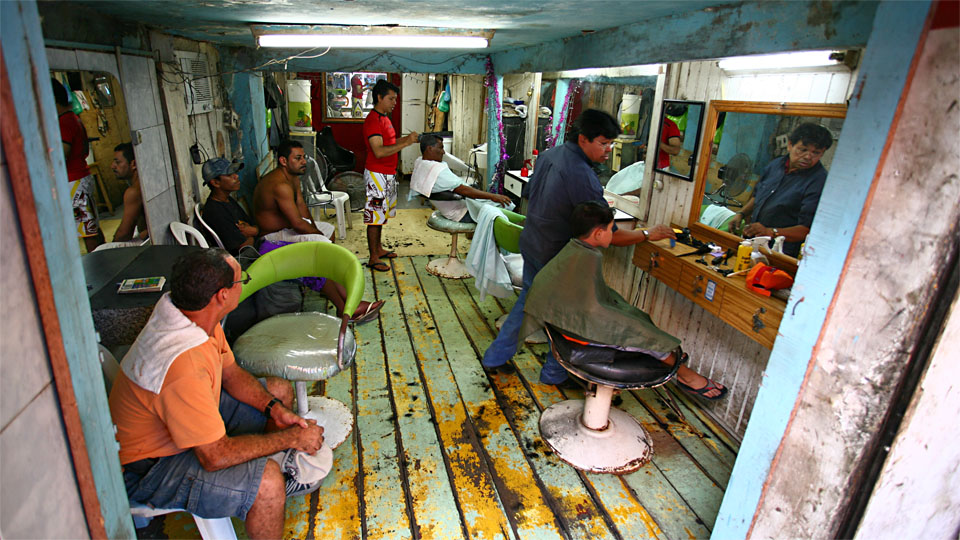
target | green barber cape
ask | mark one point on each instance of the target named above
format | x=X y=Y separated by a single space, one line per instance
x=571 y=294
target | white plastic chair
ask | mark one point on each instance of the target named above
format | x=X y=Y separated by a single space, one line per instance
x=208 y=228
x=180 y=232
x=210 y=529
x=316 y=195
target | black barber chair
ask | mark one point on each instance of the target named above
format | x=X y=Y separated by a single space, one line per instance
x=591 y=435
x=338 y=158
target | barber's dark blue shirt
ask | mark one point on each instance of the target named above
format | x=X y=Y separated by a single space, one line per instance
x=784 y=200
x=562 y=179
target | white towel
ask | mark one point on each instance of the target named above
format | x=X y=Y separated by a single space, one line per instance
x=714 y=215
x=484 y=261
x=424 y=175
x=305 y=468
x=167 y=334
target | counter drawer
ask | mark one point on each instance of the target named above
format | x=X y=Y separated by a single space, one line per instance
x=704 y=287
x=756 y=316
x=658 y=262
x=513 y=185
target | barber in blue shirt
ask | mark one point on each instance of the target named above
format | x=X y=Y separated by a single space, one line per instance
x=564 y=177
x=788 y=192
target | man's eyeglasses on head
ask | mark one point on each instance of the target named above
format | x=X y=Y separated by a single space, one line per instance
x=244 y=279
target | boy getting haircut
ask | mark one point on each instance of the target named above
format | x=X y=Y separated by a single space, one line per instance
x=589 y=215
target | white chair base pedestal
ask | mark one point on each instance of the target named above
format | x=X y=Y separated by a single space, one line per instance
x=617 y=444
x=334 y=417
x=451 y=267
x=537 y=338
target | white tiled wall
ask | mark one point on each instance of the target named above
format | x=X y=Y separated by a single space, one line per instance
x=38 y=490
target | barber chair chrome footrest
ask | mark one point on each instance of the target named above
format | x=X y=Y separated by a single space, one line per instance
x=335 y=418
x=450 y=268
x=620 y=448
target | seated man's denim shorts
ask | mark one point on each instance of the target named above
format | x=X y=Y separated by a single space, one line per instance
x=179 y=481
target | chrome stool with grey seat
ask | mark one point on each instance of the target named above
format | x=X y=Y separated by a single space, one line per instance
x=451 y=267
x=590 y=434
x=309 y=346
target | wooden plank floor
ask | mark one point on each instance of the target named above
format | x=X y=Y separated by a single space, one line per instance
x=441 y=450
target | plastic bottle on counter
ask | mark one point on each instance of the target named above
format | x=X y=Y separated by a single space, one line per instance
x=743 y=256
x=533 y=160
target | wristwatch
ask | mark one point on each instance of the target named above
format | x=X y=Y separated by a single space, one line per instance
x=266 y=410
x=776 y=233
x=646 y=235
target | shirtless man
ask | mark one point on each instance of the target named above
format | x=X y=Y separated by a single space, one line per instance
x=278 y=204
x=125 y=167
x=282 y=216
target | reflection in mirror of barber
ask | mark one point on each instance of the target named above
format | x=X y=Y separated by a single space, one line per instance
x=749 y=138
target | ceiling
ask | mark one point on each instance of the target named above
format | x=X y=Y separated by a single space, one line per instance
x=518 y=23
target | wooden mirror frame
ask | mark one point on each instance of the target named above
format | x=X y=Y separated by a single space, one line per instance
x=725 y=239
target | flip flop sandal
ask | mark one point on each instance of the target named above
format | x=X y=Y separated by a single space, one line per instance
x=373 y=309
x=379 y=266
x=389 y=255
x=711 y=385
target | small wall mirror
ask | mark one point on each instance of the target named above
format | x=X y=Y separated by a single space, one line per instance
x=749 y=145
x=680 y=123
x=348 y=96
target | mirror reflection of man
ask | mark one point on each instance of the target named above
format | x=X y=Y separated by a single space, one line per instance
x=788 y=192
x=124 y=165
x=671 y=143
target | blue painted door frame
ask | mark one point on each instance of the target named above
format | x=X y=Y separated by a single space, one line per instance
x=883 y=75
x=26 y=69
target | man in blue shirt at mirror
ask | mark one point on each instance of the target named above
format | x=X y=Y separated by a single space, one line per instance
x=788 y=192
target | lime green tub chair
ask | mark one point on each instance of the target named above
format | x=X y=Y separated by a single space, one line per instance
x=309 y=346
x=506 y=231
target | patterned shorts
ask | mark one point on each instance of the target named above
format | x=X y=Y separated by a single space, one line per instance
x=381 y=197
x=84 y=207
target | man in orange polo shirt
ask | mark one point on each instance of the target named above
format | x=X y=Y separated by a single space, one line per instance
x=380 y=169
x=195 y=429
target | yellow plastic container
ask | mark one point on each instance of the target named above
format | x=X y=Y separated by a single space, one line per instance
x=743 y=257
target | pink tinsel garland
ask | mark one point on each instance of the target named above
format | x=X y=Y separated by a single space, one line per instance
x=552 y=136
x=496 y=181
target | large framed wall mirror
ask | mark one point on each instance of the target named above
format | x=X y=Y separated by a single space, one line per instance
x=748 y=144
x=348 y=96
x=679 y=138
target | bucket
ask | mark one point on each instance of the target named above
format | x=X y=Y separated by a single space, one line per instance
x=298 y=105
x=629 y=115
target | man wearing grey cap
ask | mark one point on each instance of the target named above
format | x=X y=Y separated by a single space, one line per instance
x=221 y=211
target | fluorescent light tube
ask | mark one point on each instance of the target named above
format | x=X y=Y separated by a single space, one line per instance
x=804 y=59
x=371 y=41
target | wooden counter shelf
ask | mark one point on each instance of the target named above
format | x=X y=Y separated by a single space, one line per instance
x=756 y=316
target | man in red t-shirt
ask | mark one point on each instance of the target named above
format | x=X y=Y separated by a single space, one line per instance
x=380 y=169
x=671 y=143
x=75 y=150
